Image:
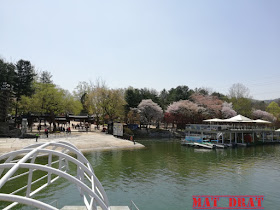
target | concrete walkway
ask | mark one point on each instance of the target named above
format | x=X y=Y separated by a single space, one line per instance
x=91 y=141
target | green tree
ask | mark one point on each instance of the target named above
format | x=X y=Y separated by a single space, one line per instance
x=179 y=93
x=242 y=106
x=105 y=103
x=220 y=96
x=7 y=72
x=274 y=109
x=71 y=105
x=132 y=98
x=81 y=93
x=95 y=100
x=45 y=77
x=24 y=77
x=114 y=104
x=202 y=91
x=239 y=96
x=50 y=100
x=163 y=98
x=149 y=94
x=23 y=82
x=259 y=105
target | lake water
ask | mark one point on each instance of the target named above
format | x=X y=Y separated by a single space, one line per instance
x=165 y=175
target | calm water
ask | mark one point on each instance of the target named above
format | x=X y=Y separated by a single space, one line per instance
x=165 y=175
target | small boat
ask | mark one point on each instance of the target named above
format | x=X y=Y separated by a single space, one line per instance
x=204 y=145
x=197 y=141
x=190 y=140
x=220 y=146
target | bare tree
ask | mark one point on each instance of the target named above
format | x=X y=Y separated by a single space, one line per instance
x=239 y=90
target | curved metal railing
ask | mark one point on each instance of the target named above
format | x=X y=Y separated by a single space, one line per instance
x=84 y=178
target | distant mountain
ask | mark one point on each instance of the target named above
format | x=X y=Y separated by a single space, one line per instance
x=269 y=101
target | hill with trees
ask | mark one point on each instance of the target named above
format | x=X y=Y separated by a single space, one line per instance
x=34 y=92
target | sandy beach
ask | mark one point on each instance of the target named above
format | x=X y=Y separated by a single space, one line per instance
x=91 y=141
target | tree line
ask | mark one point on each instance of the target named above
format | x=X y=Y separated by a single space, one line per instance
x=34 y=92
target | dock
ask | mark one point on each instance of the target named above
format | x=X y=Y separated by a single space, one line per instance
x=225 y=135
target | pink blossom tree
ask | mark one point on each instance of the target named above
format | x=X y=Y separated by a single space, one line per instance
x=212 y=104
x=182 y=112
x=259 y=114
x=227 y=110
x=150 y=112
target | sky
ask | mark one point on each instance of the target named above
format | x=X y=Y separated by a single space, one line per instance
x=149 y=43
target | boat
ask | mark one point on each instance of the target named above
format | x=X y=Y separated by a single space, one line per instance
x=217 y=145
x=205 y=145
x=197 y=141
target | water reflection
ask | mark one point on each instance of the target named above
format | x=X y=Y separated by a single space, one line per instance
x=165 y=175
x=171 y=173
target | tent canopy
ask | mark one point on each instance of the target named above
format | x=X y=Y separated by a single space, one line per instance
x=239 y=118
x=261 y=121
x=214 y=120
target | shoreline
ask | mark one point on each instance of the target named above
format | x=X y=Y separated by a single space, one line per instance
x=85 y=142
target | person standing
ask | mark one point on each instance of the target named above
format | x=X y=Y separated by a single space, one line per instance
x=47 y=132
x=37 y=136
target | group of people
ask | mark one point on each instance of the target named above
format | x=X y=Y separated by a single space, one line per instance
x=81 y=127
x=62 y=129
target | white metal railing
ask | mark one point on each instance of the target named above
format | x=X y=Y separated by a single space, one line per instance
x=133 y=205
x=88 y=185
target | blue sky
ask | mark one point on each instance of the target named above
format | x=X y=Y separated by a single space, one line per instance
x=149 y=43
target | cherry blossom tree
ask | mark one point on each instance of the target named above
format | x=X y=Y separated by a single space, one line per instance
x=259 y=114
x=227 y=110
x=150 y=112
x=212 y=104
x=182 y=112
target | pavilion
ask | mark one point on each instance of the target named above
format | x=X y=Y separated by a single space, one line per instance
x=238 y=130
